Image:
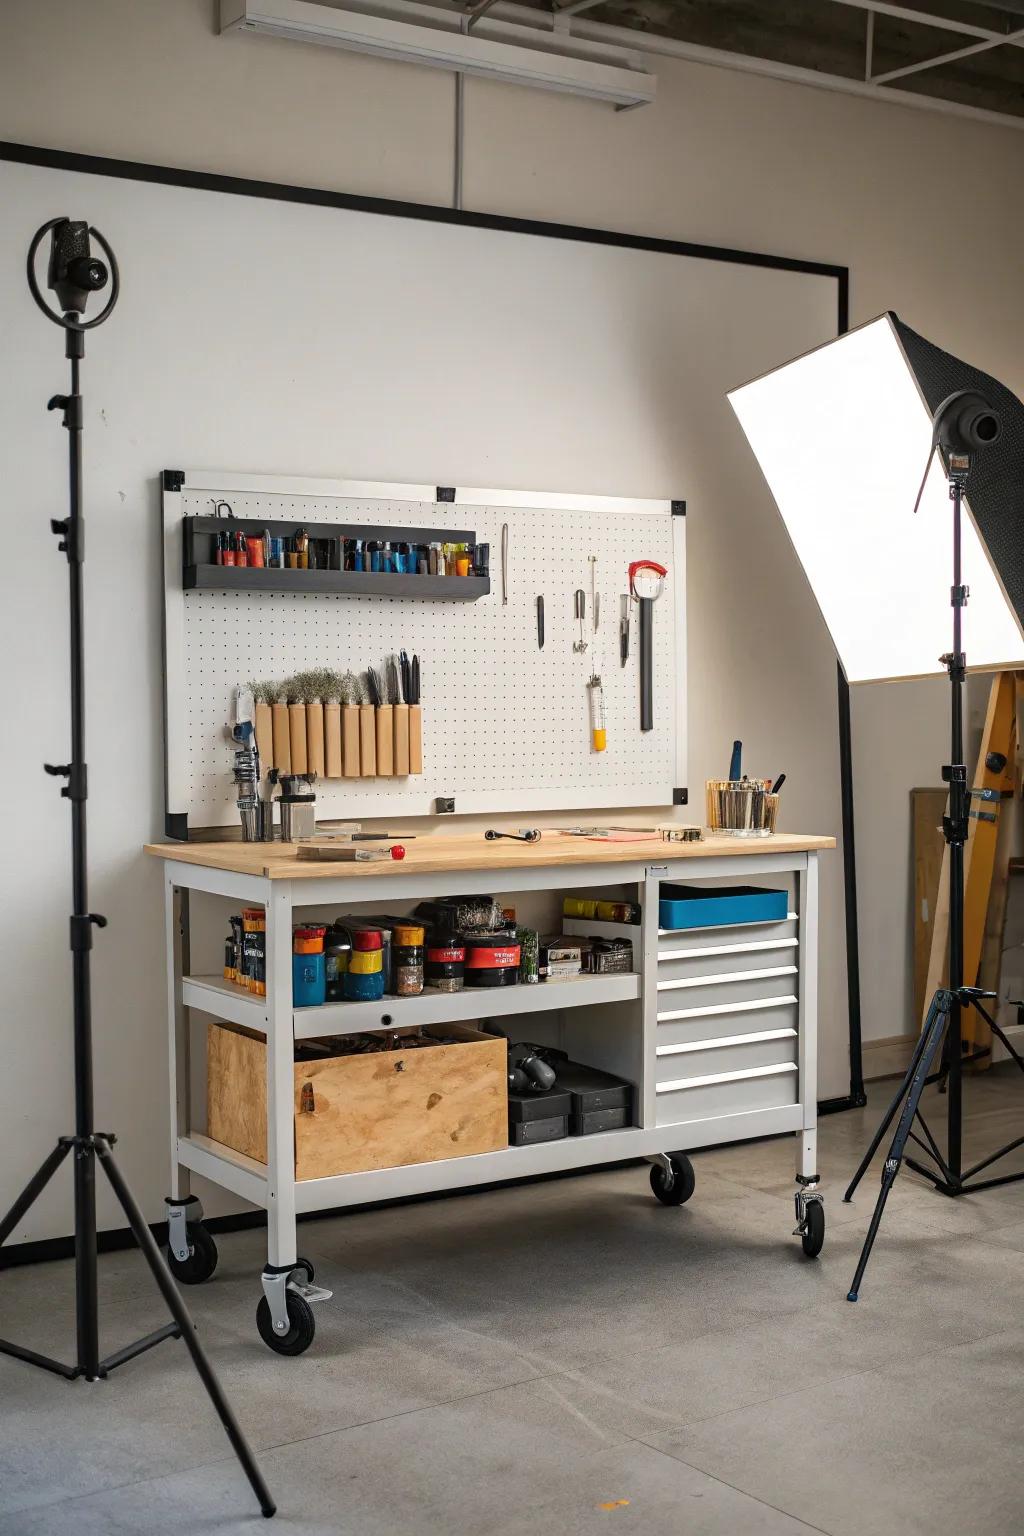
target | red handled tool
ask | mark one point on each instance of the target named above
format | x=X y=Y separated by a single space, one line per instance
x=646 y=583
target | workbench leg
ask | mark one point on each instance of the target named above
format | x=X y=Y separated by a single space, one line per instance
x=810 y=1209
x=807 y=1015
x=176 y=912
x=281 y=1246
x=650 y=893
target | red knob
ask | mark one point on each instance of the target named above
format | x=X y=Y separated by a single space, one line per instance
x=398 y=852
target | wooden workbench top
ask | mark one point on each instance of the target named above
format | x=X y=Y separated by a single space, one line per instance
x=437 y=853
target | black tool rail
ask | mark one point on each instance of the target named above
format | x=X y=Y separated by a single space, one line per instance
x=201 y=572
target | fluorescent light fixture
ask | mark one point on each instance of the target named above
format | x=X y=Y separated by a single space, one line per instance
x=843 y=435
x=551 y=62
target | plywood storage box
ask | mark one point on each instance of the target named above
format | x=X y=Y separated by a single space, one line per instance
x=358 y=1112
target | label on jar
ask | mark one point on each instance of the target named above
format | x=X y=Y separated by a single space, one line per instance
x=500 y=958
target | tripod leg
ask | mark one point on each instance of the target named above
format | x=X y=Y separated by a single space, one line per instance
x=887 y=1118
x=179 y=1312
x=999 y=1034
x=938 y=1020
x=33 y=1189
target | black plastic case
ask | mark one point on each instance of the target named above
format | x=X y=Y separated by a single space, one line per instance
x=600 y=1101
x=528 y=1133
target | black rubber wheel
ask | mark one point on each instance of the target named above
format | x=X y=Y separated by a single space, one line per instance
x=201 y=1262
x=307 y=1265
x=300 y=1332
x=813 y=1240
x=677 y=1189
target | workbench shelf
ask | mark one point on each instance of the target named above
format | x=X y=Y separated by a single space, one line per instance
x=715 y=1028
x=223 y=999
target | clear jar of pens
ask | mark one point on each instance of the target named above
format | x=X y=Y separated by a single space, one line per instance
x=741 y=807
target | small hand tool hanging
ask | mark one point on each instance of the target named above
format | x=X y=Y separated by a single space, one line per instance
x=598 y=731
x=504 y=565
x=540 y=623
x=595 y=596
x=646 y=583
x=580 y=614
x=623 y=629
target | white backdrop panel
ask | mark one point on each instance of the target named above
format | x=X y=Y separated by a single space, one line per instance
x=302 y=340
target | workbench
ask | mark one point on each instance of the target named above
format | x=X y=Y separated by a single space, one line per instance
x=717 y=1027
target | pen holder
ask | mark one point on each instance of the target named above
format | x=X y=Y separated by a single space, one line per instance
x=367 y=742
x=265 y=735
x=350 y=737
x=332 y=740
x=297 y=733
x=315 y=740
x=741 y=807
x=401 y=739
x=415 y=738
x=385 y=740
x=282 y=738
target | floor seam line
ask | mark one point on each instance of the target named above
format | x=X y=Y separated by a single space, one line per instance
x=743 y=1492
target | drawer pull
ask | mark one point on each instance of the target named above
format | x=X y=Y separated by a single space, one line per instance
x=705 y=1013
x=714 y=1044
x=723 y=978
x=726 y=949
x=725 y=1077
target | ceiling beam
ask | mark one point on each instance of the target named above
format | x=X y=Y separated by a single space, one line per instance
x=927 y=19
x=945 y=58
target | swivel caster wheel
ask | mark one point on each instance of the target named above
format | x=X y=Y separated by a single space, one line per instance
x=812 y=1238
x=307 y=1265
x=301 y=1325
x=201 y=1261
x=677 y=1187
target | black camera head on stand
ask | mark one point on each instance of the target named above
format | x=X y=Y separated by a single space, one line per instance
x=73 y=273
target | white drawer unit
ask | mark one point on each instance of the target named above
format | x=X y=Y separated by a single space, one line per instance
x=727 y=1053
x=726 y=1094
x=723 y=988
x=685 y=965
x=696 y=1026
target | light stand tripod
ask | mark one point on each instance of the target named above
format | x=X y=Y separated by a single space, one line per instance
x=74 y=274
x=963 y=424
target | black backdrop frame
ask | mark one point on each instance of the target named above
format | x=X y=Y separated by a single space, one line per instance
x=285 y=192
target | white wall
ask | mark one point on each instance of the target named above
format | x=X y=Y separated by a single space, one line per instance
x=724 y=158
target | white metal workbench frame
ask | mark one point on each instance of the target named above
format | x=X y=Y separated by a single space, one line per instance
x=273 y=1186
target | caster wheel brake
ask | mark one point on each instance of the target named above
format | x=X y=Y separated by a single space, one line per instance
x=673 y=1188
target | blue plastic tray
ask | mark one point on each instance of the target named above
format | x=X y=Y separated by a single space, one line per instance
x=695 y=906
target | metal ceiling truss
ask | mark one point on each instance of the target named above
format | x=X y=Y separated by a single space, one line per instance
x=568 y=17
x=985 y=38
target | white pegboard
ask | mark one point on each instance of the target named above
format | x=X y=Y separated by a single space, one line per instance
x=505 y=724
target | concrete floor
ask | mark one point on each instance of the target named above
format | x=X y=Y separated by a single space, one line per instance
x=567 y=1358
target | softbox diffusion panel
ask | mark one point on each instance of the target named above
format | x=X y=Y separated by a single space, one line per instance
x=995 y=490
x=842 y=436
